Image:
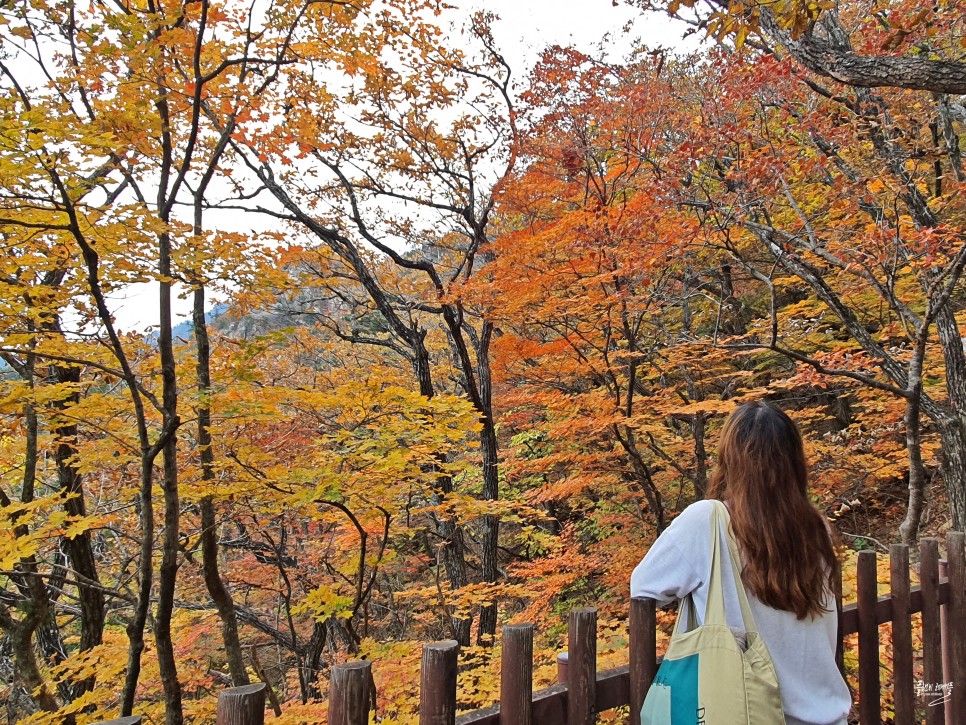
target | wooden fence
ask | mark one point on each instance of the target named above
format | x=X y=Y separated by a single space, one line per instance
x=936 y=696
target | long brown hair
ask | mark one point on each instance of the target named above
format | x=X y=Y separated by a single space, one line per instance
x=763 y=478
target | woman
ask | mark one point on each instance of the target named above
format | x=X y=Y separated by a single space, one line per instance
x=789 y=565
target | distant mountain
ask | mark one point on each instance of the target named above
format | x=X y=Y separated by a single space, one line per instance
x=294 y=309
x=184 y=330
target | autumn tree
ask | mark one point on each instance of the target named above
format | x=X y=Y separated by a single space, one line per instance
x=327 y=471
x=716 y=147
x=581 y=287
x=147 y=112
x=405 y=164
x=853 y=194
x=106 y=177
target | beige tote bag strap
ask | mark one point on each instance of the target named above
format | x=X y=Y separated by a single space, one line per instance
x=687 y=619
x=715 y=612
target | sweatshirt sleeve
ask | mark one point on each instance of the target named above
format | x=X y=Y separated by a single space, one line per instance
x=670 y=569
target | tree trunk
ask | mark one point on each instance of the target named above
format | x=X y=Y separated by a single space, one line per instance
x=952 y=433
x=50 y=642
x=135 y=628
x=145 y=501
x=642 y=475
x=312 y=659
x=698 y=421
x=491 y=485
x=412 y=337
x=952 y=426
x=455 y=565
x=220 y=594
x=909 y=529
x=209 y=526
x=26 y=672
x=79 y=548
x=453 y=548
x=168 y=571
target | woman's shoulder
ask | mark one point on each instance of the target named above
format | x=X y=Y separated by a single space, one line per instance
x=699 y=510
x=695 y=516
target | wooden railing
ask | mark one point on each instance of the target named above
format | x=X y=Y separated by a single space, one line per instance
x=937 y=696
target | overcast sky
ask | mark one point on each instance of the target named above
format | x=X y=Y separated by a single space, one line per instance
x=525 y=28
x=528 y=26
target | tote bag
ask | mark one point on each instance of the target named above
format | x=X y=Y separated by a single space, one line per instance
x=707 y=677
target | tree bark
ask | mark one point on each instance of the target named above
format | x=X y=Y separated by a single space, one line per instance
x=828 y=58
x=952 y=425
x=34 y=604
x=698 y=421
x=312 y=659
x=952 y=433
x=491 y=483
x=909 y=528
x=168 y=571
x=79 y=548
x=26 y=670
x=209 y=526
x=642 y=475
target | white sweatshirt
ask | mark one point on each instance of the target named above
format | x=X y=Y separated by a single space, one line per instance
x=803 y=650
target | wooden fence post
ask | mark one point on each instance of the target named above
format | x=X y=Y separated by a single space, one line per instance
x=243 y=705
x=563 y=665
x=437 y=683
x=349 y=693
x=839 y=637
x=903 y=685
x=516 y=675
x=944 y=672
x=582 y=668
x=643 y=653
x=955 y=677
x=932 y=665
x=868 y=638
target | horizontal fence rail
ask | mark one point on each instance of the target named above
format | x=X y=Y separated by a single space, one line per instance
x=582 y=692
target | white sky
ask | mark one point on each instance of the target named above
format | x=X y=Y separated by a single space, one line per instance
x=525 y=28
x=528 y=26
